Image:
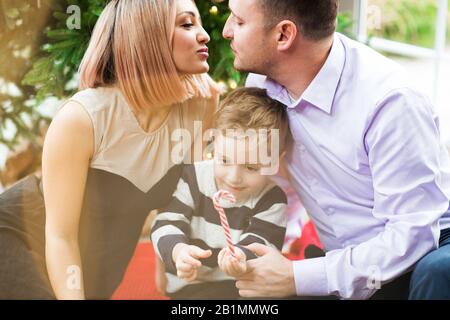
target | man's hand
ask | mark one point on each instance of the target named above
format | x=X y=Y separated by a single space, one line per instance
x=270 y=275
x=232 y=266
x=186 y=260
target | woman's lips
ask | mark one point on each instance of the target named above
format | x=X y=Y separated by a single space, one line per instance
x=203 y=53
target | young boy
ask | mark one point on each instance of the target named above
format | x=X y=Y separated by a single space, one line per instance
x=188 y=236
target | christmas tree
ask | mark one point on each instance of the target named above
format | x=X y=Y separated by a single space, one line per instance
x=66 y=36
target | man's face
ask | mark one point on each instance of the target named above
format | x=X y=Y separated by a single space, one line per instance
x=250 y=42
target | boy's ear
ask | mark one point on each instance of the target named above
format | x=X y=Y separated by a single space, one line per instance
x=282 y=170
x=209 y=149
x=286 y=32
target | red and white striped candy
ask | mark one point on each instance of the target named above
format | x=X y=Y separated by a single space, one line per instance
x=223 y=218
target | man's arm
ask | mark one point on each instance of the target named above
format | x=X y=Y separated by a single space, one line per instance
x=405 y=157
x=410 y=195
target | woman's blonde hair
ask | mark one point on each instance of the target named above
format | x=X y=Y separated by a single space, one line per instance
x=131 y=47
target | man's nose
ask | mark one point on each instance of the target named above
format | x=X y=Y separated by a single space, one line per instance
x=227 y=32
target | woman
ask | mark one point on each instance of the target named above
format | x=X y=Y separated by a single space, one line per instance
x=107 y=155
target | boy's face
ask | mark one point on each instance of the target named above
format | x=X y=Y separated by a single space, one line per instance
x=234 y=172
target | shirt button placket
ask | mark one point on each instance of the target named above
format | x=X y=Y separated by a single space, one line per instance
x=302 y=149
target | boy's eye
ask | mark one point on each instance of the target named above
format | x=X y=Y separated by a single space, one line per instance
x=252 y=168
x=224 y=160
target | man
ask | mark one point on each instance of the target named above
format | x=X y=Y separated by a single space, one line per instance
x=366 y=159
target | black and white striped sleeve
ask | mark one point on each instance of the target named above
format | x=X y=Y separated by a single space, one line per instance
x=268 y=223
x=172 y=225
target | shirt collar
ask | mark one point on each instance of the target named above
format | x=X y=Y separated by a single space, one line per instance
x=320 y=93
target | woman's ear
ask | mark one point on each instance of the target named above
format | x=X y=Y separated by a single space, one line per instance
x=286 y=32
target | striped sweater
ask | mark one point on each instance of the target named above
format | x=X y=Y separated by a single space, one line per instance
x=190 y=218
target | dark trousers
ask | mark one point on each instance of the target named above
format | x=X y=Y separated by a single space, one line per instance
x=22 y=275
x=431 y=277
x=429 y=280
x=220 y=290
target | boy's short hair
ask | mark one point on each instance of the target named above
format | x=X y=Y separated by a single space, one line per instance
x=252 y=108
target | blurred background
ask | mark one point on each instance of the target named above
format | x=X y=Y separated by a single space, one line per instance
x=42 y=43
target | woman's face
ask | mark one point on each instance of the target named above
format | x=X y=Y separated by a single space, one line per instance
x=190 y=52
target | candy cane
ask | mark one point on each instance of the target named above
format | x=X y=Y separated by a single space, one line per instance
x=223 y=218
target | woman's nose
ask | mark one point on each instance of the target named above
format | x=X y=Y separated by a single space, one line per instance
x=203 y=36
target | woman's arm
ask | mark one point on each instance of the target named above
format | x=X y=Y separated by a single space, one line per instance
x=68 y=148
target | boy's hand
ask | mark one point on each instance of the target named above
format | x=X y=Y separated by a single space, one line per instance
x=232 y=266
x=186 y=260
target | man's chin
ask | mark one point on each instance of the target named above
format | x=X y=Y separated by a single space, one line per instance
x=242 y=68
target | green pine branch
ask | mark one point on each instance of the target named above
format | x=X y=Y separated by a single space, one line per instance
x=57 y=64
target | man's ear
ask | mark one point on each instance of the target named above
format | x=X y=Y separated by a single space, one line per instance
x=286 y=32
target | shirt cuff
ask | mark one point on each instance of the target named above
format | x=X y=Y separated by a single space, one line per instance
x=250 y=255
x=311 y=277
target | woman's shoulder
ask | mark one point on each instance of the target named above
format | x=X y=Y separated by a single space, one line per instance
x=97 y=99
x=102 y=104
x=104 y=107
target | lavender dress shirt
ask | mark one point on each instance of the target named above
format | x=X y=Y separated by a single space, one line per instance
x=369 y=167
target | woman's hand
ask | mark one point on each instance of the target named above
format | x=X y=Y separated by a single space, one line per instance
x=186 y=258
x=234 y=267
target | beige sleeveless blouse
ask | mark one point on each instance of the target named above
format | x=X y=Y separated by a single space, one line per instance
x=123 y=148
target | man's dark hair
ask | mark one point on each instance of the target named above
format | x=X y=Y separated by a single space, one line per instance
x=316 y=19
